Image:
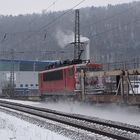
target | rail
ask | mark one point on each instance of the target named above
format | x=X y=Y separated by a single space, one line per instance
x=115 y=130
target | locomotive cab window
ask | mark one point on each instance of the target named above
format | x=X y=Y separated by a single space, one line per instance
x=53 y=75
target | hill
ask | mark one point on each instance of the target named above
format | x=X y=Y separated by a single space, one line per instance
x=113 y=31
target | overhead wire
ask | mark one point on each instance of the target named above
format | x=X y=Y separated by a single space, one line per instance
x=104 y=19
x=113 y=28
x=4 y=37
x=5 y=54
x=6 y=33
x=22 y=52
x=105 y=32
x=68 y=11
x=39 y=30
x=52 y=4
x=113 y=16
x=52 y=22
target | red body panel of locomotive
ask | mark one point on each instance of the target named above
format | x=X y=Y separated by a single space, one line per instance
x=61 y=80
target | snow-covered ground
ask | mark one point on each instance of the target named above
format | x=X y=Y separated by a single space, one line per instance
x=126 y=114
x=11 y=127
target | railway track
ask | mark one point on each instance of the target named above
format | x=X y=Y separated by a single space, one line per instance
x=110 y=129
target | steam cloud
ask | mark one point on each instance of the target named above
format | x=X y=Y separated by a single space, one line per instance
x=66 y=37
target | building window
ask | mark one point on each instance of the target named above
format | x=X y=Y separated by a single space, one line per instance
x=26 y=66
x=31 y=85
x=26 y=85
x=21 y=85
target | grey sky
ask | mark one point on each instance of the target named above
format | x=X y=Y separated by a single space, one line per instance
x=16 y=7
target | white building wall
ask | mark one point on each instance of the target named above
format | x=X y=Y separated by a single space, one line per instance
x=23 y=79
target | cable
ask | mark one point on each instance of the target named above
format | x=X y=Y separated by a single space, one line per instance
x=4 y=37
x=52 y=22
x=53 y=3
x=69 y=11
x=61 y=15
x=115 y=27
x=21 y=52
x=33 y=19
x=113 y=16
x=47 y=25
x=5 y=34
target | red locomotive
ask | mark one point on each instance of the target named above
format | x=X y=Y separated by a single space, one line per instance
x=64 y=80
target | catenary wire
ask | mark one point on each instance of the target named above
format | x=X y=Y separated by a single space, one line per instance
x=117 y=14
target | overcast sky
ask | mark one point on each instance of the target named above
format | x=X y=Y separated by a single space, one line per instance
x=16 y=7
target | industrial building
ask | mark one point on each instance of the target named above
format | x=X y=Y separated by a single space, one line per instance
x=25 y=73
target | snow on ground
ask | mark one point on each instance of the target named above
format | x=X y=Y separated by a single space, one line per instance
x=12 y=128
x=125 y=114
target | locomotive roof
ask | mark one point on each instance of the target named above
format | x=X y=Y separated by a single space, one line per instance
x=69 y=66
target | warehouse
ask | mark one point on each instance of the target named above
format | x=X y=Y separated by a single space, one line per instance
x=25 y=73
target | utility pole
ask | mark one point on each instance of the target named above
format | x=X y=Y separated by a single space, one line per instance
x=12 y=83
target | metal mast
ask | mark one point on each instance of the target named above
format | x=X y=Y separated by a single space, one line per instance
x=77 y=44
x=12 y=84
